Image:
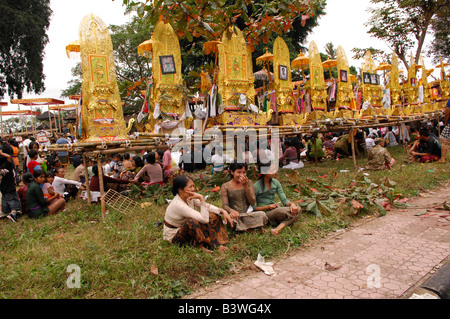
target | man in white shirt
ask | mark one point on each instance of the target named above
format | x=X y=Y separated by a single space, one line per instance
x=370 y=142
x=217 y=160
x=25 y=145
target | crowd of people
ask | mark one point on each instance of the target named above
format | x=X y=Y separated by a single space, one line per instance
x=33 y=181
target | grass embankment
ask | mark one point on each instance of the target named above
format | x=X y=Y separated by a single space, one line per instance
x=125 y=256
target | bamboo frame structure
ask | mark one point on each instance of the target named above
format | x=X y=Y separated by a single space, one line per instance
x=152 y=141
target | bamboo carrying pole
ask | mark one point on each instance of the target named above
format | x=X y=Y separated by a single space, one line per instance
x=102 y=186
x=353 y=148
x=86 y=177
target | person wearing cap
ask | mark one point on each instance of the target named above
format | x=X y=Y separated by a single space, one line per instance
x=428 y=149
x=379 y=157
x=445 y=135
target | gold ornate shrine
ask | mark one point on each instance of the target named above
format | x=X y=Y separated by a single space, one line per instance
x=410 y=88
x=371 y=82
x=345 y=100
x=444 y=82
x=394 y=84
x=316 y=83
x=283 y=82
x=424 y=82
x=167 y=79
x=101 y=112
x=236 y=82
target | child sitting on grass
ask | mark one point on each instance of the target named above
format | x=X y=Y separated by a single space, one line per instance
x=37 y=205
x=27 y=178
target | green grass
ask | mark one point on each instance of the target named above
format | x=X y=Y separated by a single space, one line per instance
x=118 y=256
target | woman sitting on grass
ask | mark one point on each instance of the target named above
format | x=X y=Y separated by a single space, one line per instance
x=183 y=224
x=152 y=169
x=37 y=205
x=265 y=189
x=238 y=195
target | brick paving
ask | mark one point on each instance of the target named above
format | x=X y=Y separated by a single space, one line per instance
x=402 y=247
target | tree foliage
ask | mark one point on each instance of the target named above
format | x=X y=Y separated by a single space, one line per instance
x=440 y=26
x=210 y=19
x=404 y=24
x=23 y=28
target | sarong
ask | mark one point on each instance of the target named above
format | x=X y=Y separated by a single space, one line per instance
x=212 y=234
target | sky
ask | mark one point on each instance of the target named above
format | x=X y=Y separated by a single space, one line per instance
x=343 y=25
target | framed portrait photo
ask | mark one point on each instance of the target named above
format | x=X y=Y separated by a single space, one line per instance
x=366 y=78
x=283 y=72
x=378 y=80
x=167 y=64
x=373 y=79
x=343 y=74
x=413 y=81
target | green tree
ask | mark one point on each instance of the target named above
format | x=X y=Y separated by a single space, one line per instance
x=74 y=84
x=440 y=26
x=210 y=19
x=404 y=24
x=23 y=28
x=330 y=50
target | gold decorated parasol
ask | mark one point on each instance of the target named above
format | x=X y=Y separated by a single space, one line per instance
x=328 y=64
x=73 y=47
x=300 y=62
x=383 y=67
x=211 y=47
x=264 y=60
x=442 y=65
x=145 y=48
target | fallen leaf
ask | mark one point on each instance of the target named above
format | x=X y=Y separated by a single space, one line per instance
x=299 y=201
x=356 y=204
x=215 y=189
x=154 y=270
x=296 y=190
x=324 y=176
x=330 y=267
x=59 y=236
x=314 y=190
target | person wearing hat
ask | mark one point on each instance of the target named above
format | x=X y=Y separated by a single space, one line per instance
x=379 y=157
x=445 y=135
x=429 y=148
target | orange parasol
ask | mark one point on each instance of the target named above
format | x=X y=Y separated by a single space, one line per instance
x=299 y=62
x=264 y=60
x=145 y=48
x=73 y=47
x=442 y=65
x=328 y=64
x=383 y=67
x=211 y=46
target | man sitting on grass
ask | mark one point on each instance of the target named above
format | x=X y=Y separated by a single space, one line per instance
x=379 y=157
x=428 y=149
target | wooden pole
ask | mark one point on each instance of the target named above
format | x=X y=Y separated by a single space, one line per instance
x=1 y=118
x=86 y=177
x=102 y=186
x=353 y=147
x=50 y=120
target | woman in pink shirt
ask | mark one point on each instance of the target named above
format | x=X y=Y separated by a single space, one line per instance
x=290 y=154
x=152 y=169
